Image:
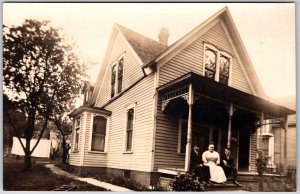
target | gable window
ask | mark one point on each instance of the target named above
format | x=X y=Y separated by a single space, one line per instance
x=129 y=129
x=117 y=77
x=76 y=138
x=216 y=64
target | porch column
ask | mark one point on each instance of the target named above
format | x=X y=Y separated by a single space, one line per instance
x=286 y=125
x=261 y=122
x=230 y=113
x=189 y=131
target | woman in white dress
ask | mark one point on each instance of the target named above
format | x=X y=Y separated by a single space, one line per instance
x=212 y=159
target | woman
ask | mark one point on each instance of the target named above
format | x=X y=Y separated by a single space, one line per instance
x=212 y=159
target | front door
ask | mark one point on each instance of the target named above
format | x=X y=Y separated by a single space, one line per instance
x=244 y=143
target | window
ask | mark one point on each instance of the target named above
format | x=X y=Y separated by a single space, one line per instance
x=129 y=129
x=117 y=77
x=210 y=64
x=216 y=64
x=77 y=128
x=182 y=136
x=99 y=133
x=120 y=75
x=113 y=80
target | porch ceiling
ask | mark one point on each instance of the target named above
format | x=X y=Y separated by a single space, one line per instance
x=217 y=91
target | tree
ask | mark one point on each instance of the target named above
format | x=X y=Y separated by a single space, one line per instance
x=64 y=126
x=41 y=73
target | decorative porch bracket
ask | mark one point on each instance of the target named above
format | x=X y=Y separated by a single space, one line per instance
x=181 y=92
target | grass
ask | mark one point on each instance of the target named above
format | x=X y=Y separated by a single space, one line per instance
x=39 y=178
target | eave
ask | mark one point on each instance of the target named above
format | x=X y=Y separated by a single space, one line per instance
x=89 y=109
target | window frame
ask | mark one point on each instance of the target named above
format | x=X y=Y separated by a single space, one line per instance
x=93 y=115
x=76 y=133
x=218 y=52
x=116 y=83
x=125 y=151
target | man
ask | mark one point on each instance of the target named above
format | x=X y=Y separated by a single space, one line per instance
x=196 y=166
x=227 y=163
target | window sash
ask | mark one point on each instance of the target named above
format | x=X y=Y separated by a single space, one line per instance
x=129 y=129
x=98 y=133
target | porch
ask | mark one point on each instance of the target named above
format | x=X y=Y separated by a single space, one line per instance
x=210 y=111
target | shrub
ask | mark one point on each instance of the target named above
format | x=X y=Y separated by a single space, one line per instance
x=261 y=163
x=186 y=182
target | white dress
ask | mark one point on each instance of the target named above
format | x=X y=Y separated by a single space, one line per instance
x=211 y=159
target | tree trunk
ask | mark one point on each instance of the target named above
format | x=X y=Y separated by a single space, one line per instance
x=64 y=147
x=27 y=158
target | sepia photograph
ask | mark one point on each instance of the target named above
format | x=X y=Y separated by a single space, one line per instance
x=138 y=97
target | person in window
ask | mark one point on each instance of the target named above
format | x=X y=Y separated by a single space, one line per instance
x=211 y=158
x=227 y=163
x=197 y=167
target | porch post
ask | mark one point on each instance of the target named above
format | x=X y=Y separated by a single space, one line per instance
x=189 y=131
x=286 y=125
x=230 y=113
x=260 y=130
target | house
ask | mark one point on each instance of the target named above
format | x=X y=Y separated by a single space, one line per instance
x=278 y=141
x=153 y=102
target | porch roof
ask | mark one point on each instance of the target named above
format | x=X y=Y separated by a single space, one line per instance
x=217 y=91
x=90 y=109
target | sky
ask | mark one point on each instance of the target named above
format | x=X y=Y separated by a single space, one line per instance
x=266 y=29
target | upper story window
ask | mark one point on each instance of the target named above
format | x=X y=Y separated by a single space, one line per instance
x=117 y=77
x=98 y=134
x=129 y=129
x=217 y=64
x=76 y=135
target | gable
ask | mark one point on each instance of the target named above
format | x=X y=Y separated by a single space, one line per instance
x=239 y=48
x=132 y=70
x=191 y=58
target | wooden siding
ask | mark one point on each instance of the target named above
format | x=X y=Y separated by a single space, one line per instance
x=166 y=142
x=291 y=146
x=131 y=70
x=191 y=59
x=279 y=146
x=90 y=158
x=75 y=156
x=253 y=148
x=142 y=96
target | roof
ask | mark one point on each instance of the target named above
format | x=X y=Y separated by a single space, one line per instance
x=149 y=50
x=146 y=48
x=81 y=109
x=210 y=89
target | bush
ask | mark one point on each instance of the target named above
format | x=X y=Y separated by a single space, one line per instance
x=261 y=163
x=186 y=182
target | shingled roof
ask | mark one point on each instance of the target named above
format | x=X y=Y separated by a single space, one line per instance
x=146 y=48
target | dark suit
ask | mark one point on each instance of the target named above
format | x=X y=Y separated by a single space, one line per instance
x=230 y=169
x=201 y=171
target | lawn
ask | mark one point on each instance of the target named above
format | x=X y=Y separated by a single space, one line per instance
x=39 y=178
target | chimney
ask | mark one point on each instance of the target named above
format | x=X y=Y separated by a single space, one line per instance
x=163 y=36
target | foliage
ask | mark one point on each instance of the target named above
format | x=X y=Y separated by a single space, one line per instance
x=261 y=162
x=186 y=182
x=41 y=74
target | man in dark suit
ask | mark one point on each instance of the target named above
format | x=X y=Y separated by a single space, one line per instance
x=227 y=163
x=197 y=167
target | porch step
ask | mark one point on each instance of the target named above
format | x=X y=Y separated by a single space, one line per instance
x=224 y=187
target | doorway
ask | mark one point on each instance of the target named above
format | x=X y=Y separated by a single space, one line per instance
x=244 y=148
